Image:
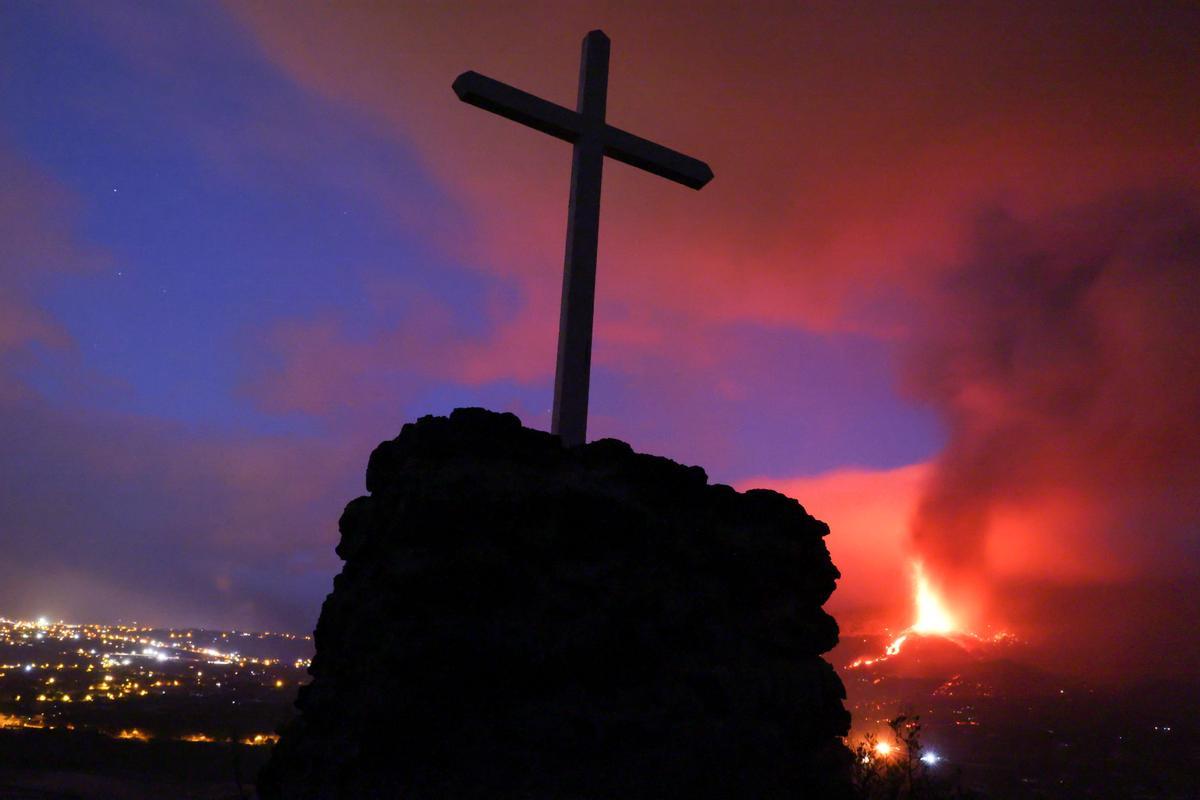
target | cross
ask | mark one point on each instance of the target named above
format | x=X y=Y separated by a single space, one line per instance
x=593 y=139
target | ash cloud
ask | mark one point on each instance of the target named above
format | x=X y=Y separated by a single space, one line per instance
x=1063 y=356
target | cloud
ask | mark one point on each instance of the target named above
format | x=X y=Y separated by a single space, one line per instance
x=845 y=141
x=322 y=367
x=113 y=516
x=37 y=241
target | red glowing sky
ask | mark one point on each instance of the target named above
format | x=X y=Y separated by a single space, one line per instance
x=942 y=288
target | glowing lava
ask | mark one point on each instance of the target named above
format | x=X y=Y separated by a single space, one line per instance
x=932 y=619
x=932 y=616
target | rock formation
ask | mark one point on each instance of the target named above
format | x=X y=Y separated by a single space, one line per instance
x=520 y=620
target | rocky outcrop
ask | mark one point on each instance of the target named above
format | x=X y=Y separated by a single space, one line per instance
x=520 y=620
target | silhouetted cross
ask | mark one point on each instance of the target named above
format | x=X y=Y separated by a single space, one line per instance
x=593 y=139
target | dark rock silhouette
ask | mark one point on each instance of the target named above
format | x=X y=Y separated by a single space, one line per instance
x=520 y=620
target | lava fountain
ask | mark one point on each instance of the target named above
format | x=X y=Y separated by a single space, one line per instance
x=932 y=615
x=933 y=618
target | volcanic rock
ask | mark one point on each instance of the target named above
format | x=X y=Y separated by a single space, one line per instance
x=519 y=620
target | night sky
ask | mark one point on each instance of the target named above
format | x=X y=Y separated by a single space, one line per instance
x=943 y=288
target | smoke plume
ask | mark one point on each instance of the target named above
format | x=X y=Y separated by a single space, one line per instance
x=1064 y=358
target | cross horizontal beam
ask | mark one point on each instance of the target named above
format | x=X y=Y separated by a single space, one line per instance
x=523 y=107
x=654 y=158
x=563 y=123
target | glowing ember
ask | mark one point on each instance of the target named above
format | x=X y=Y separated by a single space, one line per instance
x=932 y=616
x=134 y=733
x=197 y=737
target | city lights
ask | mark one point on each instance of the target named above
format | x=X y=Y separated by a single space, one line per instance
x=135 y=672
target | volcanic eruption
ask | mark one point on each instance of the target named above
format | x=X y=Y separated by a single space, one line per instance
x=933 y=622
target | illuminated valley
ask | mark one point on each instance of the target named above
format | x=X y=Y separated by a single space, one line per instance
x=140 y=683
x=142 y=706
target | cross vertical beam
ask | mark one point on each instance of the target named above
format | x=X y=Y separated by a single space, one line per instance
x=593 y=139
x=572 y=374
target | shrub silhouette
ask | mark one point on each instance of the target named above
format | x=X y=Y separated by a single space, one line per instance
x=892 y=769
